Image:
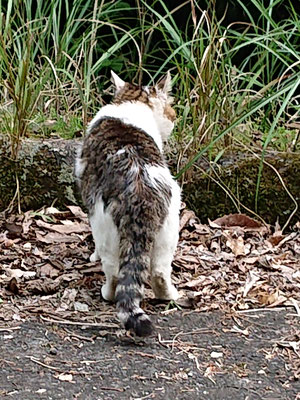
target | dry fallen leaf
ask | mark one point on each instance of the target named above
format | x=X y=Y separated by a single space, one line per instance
x=13 y=286
x=81 y=307
x=48 y=270
x=252 y=278
x=216 y=354
x=186 y=216
x=275 y=239
x=216 y=266
x=65 y=227
x=236 y=245
x=53 y=237
x=237 y=220
x=18 y=273
x=236 y=329
x=41 y=391
x=67 y=300
x=273 y=299
x=77 y=212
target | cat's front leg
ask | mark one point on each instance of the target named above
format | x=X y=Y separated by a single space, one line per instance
x=95 y=256
x=108 y=290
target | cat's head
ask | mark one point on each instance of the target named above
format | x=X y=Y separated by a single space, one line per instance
x=157 y=97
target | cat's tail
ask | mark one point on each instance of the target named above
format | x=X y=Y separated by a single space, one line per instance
x=134 y=262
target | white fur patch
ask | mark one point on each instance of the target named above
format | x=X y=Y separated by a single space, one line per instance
x=146 y=89
x=134 y=169
x=123 y=316
x=80 y=165
x=121 y=151
x=165 y=126
x=162 y=174
x=132 y=113
x=159 y=173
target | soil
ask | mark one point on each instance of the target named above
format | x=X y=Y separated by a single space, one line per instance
x=192 y=356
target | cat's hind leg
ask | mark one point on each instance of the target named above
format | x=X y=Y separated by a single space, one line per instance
x=162 y=256
x=106 y=248
x=110 y=265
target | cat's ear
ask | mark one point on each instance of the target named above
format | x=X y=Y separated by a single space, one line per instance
x=165 y=84
x=117 y=81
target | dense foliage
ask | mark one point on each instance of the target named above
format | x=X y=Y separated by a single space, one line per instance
x=235 y=68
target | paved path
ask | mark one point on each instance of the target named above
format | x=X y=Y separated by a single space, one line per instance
x=192 y=356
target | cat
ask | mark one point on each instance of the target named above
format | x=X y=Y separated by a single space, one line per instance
x=132 y=199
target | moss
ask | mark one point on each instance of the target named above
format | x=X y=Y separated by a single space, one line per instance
x=44 y=171
x=239 y=177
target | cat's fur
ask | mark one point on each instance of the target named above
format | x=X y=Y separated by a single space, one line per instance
x=132 y=199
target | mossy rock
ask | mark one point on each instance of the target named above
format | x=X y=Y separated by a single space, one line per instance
x=237 y=179
x=41 y=175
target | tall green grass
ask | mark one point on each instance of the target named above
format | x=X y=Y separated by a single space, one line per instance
x=217 y=95
x=54 y=58
x=229 y=79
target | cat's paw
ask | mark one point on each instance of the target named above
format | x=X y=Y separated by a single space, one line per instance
x=108 y=293
x=166 y=292
x=94 y=257
x=171 y=293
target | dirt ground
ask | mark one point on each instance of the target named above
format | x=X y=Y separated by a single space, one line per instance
x=234 y=333
x=192 y=356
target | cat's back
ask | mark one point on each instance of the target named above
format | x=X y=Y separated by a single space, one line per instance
x=118 y=159
x=111 y=139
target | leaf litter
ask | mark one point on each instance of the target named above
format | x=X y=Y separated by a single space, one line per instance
x=234 y=263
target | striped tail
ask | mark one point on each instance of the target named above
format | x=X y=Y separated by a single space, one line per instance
x=134 y=264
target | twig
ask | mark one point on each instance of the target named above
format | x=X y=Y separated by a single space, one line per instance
x=88 y=362
x=262 y=309
x=162 y=342
x=150 y=396
x=296 y=305
x=13 y=328
x=43 y=365
x=174 y=339
x=111 y=388
x=66 y=322
x=16 y=196
x=72 y=372
x=19 y=194
x=156 y=357
x=7 y=362
x=88 y=339
x=196 y=331
x=287 y=191
x=169 y=311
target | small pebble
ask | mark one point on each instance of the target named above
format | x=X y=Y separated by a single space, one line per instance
x=53 y=351
x=216 y=354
